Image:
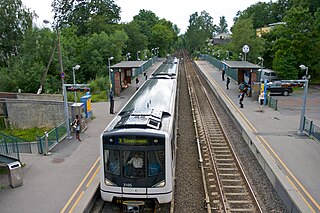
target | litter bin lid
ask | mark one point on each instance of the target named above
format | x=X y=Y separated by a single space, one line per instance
x=14 y=165
x=77 y=104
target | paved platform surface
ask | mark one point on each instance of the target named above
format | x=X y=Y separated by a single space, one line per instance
x=66 y=180
x=295 y=157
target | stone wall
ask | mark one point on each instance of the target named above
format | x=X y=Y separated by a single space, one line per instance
x=35 y=113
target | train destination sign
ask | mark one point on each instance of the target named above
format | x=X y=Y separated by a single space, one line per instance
x=134 y=141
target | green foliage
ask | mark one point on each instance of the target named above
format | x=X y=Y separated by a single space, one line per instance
x=99 y=97
x=223 y=26
x=243 y=33
x=15 y=21
x=27 y=134
x=200 y=30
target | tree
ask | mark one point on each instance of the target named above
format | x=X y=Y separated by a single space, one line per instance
x=102 y=13
x=200 y=29
x=297 y=40
x=146 y=19
x=223 y=26
x=243 y=33
x=15 y=21
x=137 y=41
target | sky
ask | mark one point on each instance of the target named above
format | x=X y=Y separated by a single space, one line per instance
x=178 y=12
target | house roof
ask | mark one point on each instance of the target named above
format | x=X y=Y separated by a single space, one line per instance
x=223 y=36
x=128 y=64
x=241 y=65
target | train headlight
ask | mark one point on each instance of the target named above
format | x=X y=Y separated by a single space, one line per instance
x=160 y=184
x=109 y=183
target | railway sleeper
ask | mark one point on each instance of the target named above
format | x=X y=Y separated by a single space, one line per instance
x=238 y=197
x=248 y=210
x=224 y=160
x=230 y=176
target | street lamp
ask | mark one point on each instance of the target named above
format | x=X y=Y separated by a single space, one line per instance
x=138 y=55
x=128 y=56
x=261 y=59
x=305 y=93
x=74 y=80
x=110 y=83
x=145 y=55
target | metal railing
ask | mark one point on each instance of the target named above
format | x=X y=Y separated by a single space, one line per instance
x=311 y=129
x=9 y=147
x=272 y=103
x=56 y=135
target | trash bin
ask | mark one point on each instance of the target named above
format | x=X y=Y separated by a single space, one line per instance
x=15 y=174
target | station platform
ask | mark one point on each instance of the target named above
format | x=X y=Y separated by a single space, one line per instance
x=290 y=161
x=66 y=180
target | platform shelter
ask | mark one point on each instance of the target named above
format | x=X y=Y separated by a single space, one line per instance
x=124 y=72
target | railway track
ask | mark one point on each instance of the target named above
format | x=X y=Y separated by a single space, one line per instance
x=226 y=187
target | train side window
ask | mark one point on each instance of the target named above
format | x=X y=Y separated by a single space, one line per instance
x=112 y=160
x=156 y=161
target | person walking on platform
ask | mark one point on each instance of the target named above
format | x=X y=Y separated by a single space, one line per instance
x=222 y=75
x=228 y=82
x=137 y=83
x=145 y=76
x=111 y=102
x=241 y=97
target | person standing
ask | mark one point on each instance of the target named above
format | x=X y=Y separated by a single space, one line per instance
x=77 y=126
x=241 y=97
x=137 y=83
x=223 y=73
x=111 y=102
x=228 y=82
x=145 y=76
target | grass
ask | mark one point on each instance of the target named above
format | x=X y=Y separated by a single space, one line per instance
x=99 y=97
x=27 y=134
x=3 y=171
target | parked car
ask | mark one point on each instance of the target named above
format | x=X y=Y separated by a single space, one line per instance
x=268 y=74
x=279 y=88
x=293 y=83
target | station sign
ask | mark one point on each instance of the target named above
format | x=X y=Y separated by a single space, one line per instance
x=77 y=88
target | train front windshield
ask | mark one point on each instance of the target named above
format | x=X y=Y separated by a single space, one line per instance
x=134 y=161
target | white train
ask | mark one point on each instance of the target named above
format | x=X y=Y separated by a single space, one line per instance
x=138 y=147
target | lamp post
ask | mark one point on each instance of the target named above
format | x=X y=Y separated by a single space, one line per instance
x=305 y=93
x=128 y=56
x=261 y=59
x=145 y=55
x=110 y=83
x=138 y=55
x=74 y=80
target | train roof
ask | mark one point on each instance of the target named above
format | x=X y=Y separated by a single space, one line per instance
x=168 y=69
x=149 y=106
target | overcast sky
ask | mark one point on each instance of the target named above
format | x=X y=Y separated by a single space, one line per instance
x=178 y=12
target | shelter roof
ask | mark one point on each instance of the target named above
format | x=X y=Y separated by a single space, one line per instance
x=241 y=65
x=128 y=64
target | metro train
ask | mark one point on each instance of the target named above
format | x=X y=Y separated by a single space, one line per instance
x=137 y=149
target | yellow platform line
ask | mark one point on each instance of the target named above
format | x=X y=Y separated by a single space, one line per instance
x=78 y=188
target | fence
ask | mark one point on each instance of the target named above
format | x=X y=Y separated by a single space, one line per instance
x=232 y=73
x=272 y=103
x=311 y=129
x=9 y=147
x=54 y=137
